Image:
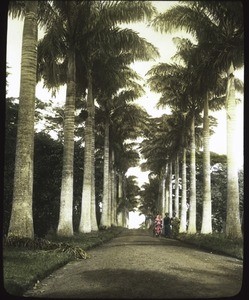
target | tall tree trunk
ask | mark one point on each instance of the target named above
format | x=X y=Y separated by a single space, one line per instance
x=206 y=227
x=183 y=219
x=167 y=189
x=170 y=191
x=192 y=202
x=160 y=194
x=94 y=225
x=163 y=182
x=65 y=226
x=114 y=200
x=176 y=207
x=125 y=201
x=21 y=221
x=120 y=197
x=106 y=174
x=233 y=227
x=85 y=219
x=109 y=212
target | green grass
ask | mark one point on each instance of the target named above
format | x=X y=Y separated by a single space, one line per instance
x=22 y=268
x=26 y=261
x=215 y=242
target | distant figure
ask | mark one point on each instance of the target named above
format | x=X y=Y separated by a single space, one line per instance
x=167 y=225
x=148 y=222
x=158 y=225
x=175 y=222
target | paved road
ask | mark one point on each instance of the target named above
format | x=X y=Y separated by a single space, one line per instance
x=137 y=265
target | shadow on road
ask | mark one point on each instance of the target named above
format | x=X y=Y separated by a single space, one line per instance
x=130 y=284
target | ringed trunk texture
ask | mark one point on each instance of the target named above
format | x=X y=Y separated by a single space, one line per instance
x=170 y=191
x=65 y=226
x=167 y=189
x=120 y=197
x=176 y=206
x=163 y=181
x=233 y=226
x=113 y=190
x=85 y=219
x=21 y=221
x=183 y=219
x=192 y=204
x=106 y=179
x=206 y=227
x=94 y=225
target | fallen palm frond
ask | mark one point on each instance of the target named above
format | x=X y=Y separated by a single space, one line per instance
x=43 y=244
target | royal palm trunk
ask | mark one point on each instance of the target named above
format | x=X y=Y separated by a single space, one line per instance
x=167 y=189
x=120 y=197
x=192 y=201
x=65 y=226
x=163 y=182
x=183 y=219
x=113 y=189
x=21 y=221
x=176 y=206
x=233 y=227
x=94 y=225
x=85 y=219
x=105 y=202
x=206 y=227
x=170 y=191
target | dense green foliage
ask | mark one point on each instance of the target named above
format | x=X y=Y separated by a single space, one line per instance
x=47 y=175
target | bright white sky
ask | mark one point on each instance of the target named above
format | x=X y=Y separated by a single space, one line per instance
x=167 y=49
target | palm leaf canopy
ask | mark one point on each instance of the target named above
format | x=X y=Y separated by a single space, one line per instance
x=217 y=26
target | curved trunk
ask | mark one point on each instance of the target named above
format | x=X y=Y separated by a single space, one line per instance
x=176 y=206
x=65 y=226
x=192 y=201
x=206 y=227
x=85 y=219
x=233 y=227
x=21 y=221
x=183 y=220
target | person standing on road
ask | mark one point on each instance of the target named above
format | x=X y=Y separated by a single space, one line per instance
x=158 y=224
x=167 y=225
x=175 y=222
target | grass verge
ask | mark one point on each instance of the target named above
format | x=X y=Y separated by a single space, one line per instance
x=25 y=262
x=215 y=242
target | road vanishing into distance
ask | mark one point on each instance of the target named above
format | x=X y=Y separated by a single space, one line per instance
x=137 y=265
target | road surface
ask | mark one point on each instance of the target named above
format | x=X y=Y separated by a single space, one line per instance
x=138 y=265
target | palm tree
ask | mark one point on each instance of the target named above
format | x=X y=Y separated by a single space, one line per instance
x=21 y=222
x=57 y=56
x=99 y=38
x=127 y=123
x=176 y=85
x=218 y=27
